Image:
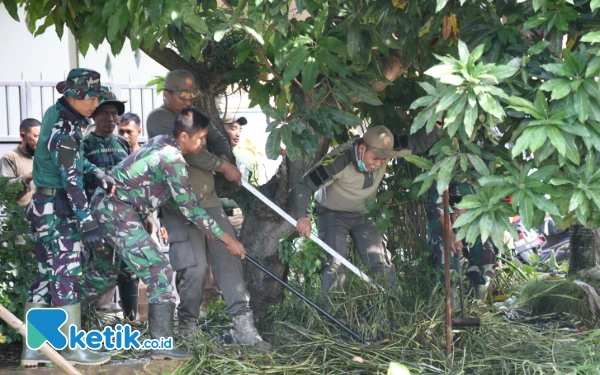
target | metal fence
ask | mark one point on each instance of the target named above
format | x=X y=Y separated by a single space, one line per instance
x=30 y=99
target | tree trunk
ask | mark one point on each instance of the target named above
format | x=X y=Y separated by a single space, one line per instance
x=583 y=248
x=263 y=228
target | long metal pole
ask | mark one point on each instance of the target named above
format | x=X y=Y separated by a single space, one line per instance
x=316 y=239
x=304 y=298
x=447 y=272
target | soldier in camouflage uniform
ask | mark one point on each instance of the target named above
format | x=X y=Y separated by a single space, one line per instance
x=481 y=257
x=59 y=212
x=154 y=175
x=105 y=150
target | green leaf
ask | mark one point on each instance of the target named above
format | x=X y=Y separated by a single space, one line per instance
x=560 y=181
x=591 y=86
x=526 y=211
x=444 y=175
x=593 y=66
x=538 y=48
x=571 y=63
x=420 y=120
x=419 y=161
x=538 y=138
x=542 y=203
x=334 y=45
x=463 y=52
x=254 y=33
x=558 y=69
x=426 y=185
x=423 y=101
x=562 y=89
x=469 y=202
x=195 y=22
x=576 y=199
x=485 y=225
x=333 y=63
x=450 y=96
x=476 y=53
x=155 y=10
x=490 y=105
x=478 y=164
x=440 y=4
x=429 y=89
x=594 y=4
x=502 y=72
x=492 y=181
x=309 y=74
x=353 y=42
x=522 y=143
x=557 y=139
x=582 y=104
x=540 y=102
x=344 y=118
x=294 y=66
x=471 y=114
x=273 y=146
x=593 y=37
x=571 y=150
x=537 y=4
x=438 y=71
x=467 y=218
x=367 y=96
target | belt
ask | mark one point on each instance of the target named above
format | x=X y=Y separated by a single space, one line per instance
x=45 y=190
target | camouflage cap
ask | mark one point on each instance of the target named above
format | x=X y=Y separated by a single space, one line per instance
x=108 y=97
x=182 y=82
x=81 y=84
x=380 y=141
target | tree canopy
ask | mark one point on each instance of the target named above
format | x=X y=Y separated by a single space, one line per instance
x=515 y=82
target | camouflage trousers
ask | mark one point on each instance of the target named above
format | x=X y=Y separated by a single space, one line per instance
x=481 y=257
x=57 y=251
x=128 y=241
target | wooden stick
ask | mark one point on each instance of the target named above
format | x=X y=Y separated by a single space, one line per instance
x=52 y=354
x=447 y=271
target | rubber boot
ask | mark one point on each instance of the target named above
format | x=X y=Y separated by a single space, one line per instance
x=30 y=357
x=160 y=321
x=244 y=332
x=481 y=291
x=78 y=356
x=128 y=291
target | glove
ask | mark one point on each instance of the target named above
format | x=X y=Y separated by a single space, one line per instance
x=92 y=235
x=62 y=206
x=102 y=178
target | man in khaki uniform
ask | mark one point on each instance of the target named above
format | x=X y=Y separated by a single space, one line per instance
x=189 y=246
x=345 y=179
x=18 y=163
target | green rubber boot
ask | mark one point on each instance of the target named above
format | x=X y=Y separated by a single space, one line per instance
x=30 y=357
x=481 y=291
x=160 y=322
x=84 y=357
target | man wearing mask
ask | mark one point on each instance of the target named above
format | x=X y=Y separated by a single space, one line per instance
x=18 y=163
x=59 y=212
x=190 y=250
x=346 y=178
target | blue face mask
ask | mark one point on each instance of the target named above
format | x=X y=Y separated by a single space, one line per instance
x=361 y=165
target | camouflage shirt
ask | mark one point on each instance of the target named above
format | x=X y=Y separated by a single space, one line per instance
x=61 y=128
x=156 y=174
x=104 y=153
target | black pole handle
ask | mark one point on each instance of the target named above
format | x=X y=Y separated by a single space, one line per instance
x=304 y=298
